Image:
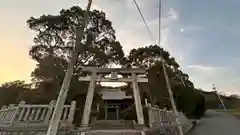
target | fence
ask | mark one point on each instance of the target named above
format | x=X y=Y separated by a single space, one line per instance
x=26 y=119
x=34 y=115
x=166 y=118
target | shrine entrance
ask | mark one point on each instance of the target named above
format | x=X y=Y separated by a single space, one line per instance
x=111 y=113
x=115 y=102
x=115 y=99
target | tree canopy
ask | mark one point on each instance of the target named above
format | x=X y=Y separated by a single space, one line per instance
x=55 y=37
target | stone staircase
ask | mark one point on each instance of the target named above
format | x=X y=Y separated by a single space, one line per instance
x=112 y=124
x=114 y=132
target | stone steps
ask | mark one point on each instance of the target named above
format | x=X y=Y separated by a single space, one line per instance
x=112 y=124
x=114 y=132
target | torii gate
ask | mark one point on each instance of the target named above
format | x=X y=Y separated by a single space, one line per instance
x=135 y=76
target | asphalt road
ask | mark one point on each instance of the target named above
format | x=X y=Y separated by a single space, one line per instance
x=217 y=123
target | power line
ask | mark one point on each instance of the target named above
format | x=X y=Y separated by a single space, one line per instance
x=145 y=23
x=168 y=85
x=229 y=27
x=224 y=31
x=159 y=34
x=159 y=21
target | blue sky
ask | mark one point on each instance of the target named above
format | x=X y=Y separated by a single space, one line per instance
x=201 y=34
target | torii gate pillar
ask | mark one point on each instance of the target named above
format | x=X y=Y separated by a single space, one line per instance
x=89 y=99
x=137 y=100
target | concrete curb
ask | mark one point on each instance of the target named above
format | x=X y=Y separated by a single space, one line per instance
x=194 y=124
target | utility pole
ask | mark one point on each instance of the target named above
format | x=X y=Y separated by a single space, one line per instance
x=54 y=123
x=173 y=104
x=220 y=99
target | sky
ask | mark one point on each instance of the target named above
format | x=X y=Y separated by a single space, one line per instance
x=202 y=35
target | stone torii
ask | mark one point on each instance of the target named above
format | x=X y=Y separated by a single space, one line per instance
x=135 y=77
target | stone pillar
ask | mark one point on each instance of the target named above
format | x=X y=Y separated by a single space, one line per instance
x=89 y=99
x=98 y=111
x=159 y=115
x=137 y=100
x=22 y=110
x=17 y=111
x=71 y=112
x=106 y=112
x=150 y=115
x=98 y=106
x=117 y=112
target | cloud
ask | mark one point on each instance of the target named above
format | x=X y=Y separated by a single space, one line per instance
x=204 y=76
x=131 y=32
x=182 y=29
x=235 y=81
x=201 y=67
x=172 y=14
x=191 y=29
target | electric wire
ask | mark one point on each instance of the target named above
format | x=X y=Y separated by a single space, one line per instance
x=145 y=22
x=162 y=61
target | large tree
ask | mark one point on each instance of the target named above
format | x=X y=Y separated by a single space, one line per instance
x=55 y=36
x=183 y=89
x=54 y=40
x=150 y=58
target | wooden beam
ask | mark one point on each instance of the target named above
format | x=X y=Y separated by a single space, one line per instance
x=118 y=70
x=101 y=79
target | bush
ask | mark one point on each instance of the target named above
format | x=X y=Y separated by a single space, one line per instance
x=190 y=102
x=200 y=107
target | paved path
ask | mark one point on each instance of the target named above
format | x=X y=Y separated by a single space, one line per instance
x=216 y=123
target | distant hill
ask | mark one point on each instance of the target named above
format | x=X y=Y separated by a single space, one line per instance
x=212 y=101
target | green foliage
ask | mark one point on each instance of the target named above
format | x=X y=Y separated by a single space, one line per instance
x=55 y=37
x=190 y=102
x=200 y=106
x=13 y=92
x=53 y=43
x=184 y=93
x=148 y=56
x=185 y=100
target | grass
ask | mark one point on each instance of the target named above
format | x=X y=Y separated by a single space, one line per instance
x=235 y=112
x=228 y=110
